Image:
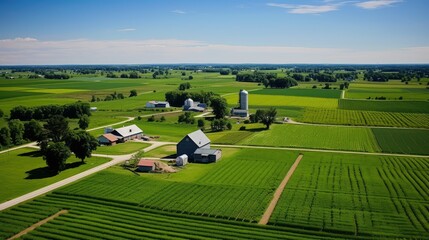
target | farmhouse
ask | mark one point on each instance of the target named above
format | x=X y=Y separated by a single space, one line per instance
x=145 y=165
x=157 y=104
x=112 y=136
x=197 y=141
x=108 y=139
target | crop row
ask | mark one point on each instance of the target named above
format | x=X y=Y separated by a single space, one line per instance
x=385 y=106
x=362 y=195
x=365 y=118
x=102 y=219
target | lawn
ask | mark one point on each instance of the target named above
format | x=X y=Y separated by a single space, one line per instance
x=411 y=141
x=122 y=148
x=24 y=170
x=375 y=196
x=321 y=137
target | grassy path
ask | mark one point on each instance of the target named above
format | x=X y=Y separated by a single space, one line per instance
x=38 y=224
x=267 y=214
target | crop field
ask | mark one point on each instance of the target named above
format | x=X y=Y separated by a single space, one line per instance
x=258 y=100
x=322 y=137
x=24 y=170
x=301 y=92
x=364 y=118
x=385 y=106
x=390 y=93
x=358 y=195
x=405 y=141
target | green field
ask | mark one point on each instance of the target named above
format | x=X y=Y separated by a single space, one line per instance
x=357 y=195
x=24 y=170
x=404 y=141
x=322 y=137
x=301 y=92
x=122 y=148
x=364 y=118
x=385 y=106
x=392 y=93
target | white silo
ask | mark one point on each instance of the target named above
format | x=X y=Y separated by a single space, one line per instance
x=244 y=100
x=188 y=103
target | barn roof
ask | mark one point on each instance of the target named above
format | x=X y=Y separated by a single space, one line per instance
x=145 y=163
x=206 y=151
x=128 y=130
x=110 y=137
x=199 y=138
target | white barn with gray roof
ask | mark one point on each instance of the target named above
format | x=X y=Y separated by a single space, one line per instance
x=128 y=132
x=196 y=141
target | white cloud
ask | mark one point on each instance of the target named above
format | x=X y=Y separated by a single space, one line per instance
x=177 y=11
x=126 y=30
x=83 y=51
x=306 y=9
x=376 y=3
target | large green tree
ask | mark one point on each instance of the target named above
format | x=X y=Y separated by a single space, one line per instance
x=16 y=128
x=57 y=128
x=268 y=117
x=4 y=137
x=33 y=130
x=56 y=154
x=83 y=122
x=220 y=107
x=81 y=143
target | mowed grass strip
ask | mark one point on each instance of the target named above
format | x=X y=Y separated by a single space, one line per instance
x=256 y=100
x=301 y=92
x=385 y=105
x=122 y=148
x=407 y=141
x=320 y=137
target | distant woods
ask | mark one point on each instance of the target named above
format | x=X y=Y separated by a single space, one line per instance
x=73 y=110
x=267 y=79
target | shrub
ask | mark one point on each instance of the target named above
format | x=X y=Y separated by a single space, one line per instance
x=242 y=128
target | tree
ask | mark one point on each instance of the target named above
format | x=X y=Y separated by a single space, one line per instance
x=229 y=125
x=16 y=131
x=190 y=77
x=268 y=117
x=265 y=82
x=56 y=154
x=1 y=113
x=57 y=128
x=4 y=137
x=83 y=122
x=93 y=99
x=220 y=107
x=33 y=130
x=81 y=143
x=133 y=93
x=201 y=123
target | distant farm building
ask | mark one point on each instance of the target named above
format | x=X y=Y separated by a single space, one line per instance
x=145 y=165
x=196 y=146
x=182 y=160
x=243 y=109
x=122 y=134
x=157 y=104
x=93 y=109
x=190 y=105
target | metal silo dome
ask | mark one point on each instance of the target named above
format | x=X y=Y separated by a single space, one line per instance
x=244 y=100
x=189 y=102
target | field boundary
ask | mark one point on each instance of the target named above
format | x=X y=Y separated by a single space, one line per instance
x=269 y=211
x=38 y=224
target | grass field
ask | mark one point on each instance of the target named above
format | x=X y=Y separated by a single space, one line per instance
x=301 y=92
x=385 y=106
x=323 y=137
x=364 y=118
x=122 y=148
x=357 y=195
x=405 y=141
x=24 y=170
x=390 y=93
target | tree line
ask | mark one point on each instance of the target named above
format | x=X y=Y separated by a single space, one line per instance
x=177 y=98
x=73 y=110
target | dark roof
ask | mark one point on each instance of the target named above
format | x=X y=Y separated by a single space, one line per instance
x=206 y=151
x=199 y=138
x=146 y=163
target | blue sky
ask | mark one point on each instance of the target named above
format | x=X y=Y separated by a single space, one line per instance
x=221 y=31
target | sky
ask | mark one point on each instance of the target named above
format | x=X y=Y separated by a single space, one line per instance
x=39 y=32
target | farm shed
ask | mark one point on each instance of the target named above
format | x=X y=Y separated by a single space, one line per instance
x=157 y=104
x=182 y=160
x=108 y=139
x=190 y=105
x=145 y=165
x=202 y=155
x=192 y=142
x=128 y=133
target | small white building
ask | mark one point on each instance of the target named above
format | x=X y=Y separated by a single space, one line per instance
x=157 y=104
x=182 y=160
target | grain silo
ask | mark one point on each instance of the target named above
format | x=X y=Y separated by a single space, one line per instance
x=188 y=104
x=244 y=100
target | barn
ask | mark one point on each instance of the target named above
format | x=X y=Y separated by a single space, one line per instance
x=191 y=142
x=157 y=104
x=128 y=133
x=145 y=165
x=108 y=139
x=203 y=155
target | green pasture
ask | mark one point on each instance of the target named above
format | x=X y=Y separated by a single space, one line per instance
x=122 y=148
x=162 y=152
x=406 y=141
x=374 y=196
x=301 y=92
x=385 y=105
x=389 y=93
x=312 y=136
x=258 y=100
x=24 y=170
